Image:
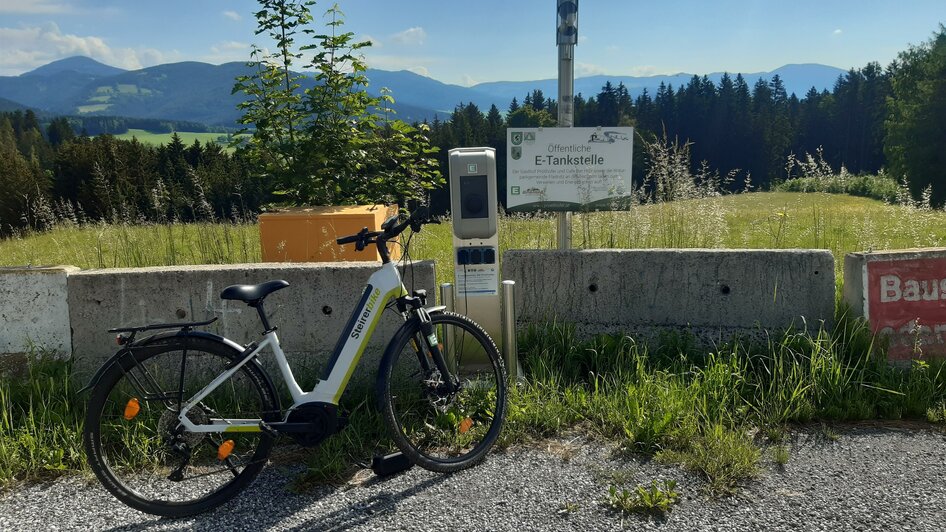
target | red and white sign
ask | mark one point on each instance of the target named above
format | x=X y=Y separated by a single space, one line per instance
x=906 y=302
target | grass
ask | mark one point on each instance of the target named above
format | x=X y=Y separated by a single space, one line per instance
x=704 y=410
x=41 y=417
x=780 y=455
x=707 y=410
x=764 y=220
x=656 y=499
x=187 y=137
x=123 y=246
x=94 y=108
x=840 y=223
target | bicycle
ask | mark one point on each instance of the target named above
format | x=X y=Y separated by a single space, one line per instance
x=181 y=421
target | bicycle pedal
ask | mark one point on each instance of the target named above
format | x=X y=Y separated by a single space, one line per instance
x=388 y=465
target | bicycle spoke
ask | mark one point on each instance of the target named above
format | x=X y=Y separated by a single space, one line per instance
x=148 y=451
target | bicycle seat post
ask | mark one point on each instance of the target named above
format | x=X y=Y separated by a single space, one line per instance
x=258 y=305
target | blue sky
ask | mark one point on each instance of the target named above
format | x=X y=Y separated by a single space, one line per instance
x=486 y=40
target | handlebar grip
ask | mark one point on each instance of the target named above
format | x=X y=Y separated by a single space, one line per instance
x=346 y=239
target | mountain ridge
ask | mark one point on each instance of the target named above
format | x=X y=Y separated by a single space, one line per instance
x=202 y=92
x=77 y=63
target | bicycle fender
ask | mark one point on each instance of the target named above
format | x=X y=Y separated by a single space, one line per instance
x=120 y=355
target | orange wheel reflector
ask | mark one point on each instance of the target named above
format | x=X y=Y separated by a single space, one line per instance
x=224 y=450
x=132 y=408
x=465 y=425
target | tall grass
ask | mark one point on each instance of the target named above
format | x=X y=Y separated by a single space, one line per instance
x=125 y=245
x=699 y=408
x=811 y=173
x=40 y=421
x=706 y=410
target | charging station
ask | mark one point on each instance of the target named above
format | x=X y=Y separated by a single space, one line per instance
x=476 y=290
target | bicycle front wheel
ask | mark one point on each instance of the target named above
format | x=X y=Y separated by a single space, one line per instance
x=436 y=429
x=140 y=452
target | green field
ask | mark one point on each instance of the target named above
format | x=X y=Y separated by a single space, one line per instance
x=94 y=108
x=187 y=137
x=840 y=223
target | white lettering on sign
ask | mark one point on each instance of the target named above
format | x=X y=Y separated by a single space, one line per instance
x=915 y=334
x=893 y=289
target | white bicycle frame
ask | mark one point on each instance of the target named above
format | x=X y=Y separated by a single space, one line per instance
x=383 y=285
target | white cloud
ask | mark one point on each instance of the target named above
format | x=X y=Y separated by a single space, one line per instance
x=612 y=48
x=410 y=36
x=468 y=80
x=644 y=70
x=34 y=7
x=227 y=51
x=28 y=47
x=232 y=15
x=588 y=69
x=375 y=43
x=228 y=46
x=837 y=31
x=419 y=65
x=421 y=70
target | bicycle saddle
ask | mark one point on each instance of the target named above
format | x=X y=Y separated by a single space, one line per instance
x=252 y=292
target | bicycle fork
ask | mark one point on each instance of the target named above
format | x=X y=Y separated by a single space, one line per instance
x=433 y=347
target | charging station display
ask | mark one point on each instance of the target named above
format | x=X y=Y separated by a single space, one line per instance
x=474 y=193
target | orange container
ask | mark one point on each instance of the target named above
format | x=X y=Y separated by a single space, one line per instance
x=307 y=234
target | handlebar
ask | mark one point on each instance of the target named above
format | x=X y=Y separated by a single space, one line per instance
x=418 y=218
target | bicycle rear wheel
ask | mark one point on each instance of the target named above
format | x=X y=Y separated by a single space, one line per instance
x=439 y=430
x=141 y=455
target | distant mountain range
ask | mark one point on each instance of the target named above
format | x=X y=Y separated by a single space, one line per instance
x=200 y=92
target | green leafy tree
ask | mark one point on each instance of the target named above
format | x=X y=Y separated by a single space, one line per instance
x=526 y=116
x=331 y=143
x=916 y=135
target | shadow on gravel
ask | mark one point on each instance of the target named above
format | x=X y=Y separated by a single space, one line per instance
x=363 y=512
x=260 y=514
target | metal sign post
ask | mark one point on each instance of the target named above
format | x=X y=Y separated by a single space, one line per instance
x=566 y=36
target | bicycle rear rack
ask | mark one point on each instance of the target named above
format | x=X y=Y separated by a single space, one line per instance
x=157 y=326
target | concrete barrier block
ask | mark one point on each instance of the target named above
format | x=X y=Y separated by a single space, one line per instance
x=33 y=309
x=309 y=314
x=902 y=294
x=711 y=293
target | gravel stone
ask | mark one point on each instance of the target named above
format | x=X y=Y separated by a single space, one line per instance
x=871 y=478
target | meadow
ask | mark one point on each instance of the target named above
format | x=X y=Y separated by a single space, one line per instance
x=187 y=137
x=837 y=222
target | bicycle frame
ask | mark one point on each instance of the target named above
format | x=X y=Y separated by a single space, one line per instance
x=383 y=285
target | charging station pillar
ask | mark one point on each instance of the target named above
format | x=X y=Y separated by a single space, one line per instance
x=473 y=205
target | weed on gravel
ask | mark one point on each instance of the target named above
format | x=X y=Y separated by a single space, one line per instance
x=656 y=499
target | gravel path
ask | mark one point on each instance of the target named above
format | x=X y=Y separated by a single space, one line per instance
x=870 y=478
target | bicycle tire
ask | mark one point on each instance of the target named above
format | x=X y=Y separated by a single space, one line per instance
x=105 y=434
x=440 y=438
